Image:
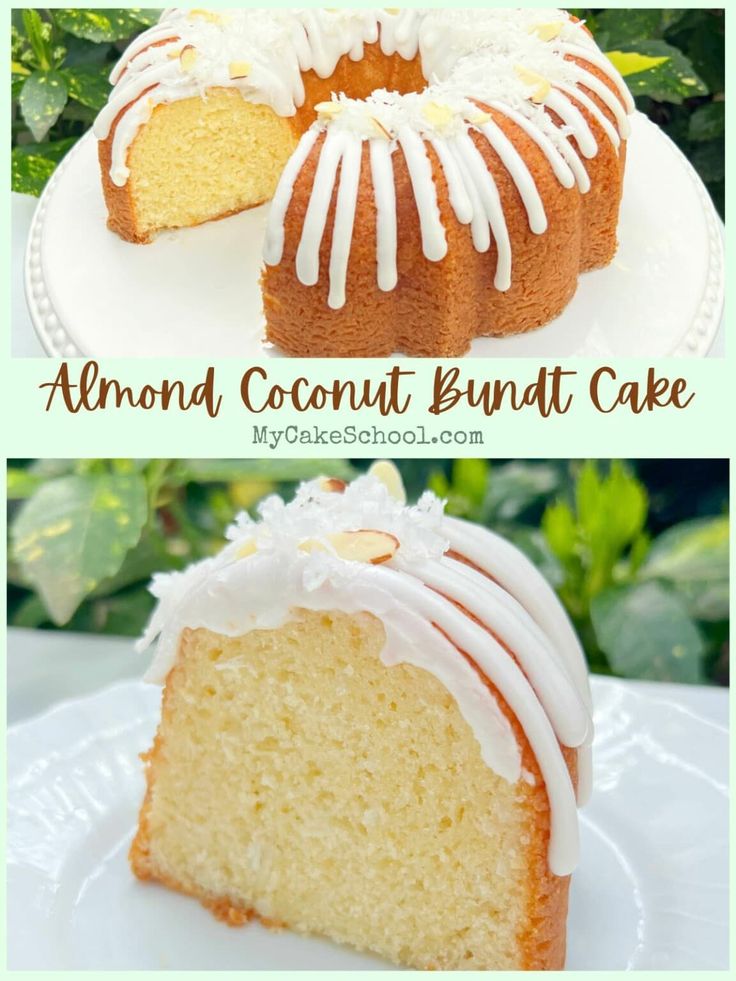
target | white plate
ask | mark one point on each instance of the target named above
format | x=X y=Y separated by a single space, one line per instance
x=651 y=890
x=195 y=293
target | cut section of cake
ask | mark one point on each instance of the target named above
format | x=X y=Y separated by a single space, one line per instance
x=375 y=728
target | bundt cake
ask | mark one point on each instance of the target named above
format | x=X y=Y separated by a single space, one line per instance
x=375 y=723
x=436 y=175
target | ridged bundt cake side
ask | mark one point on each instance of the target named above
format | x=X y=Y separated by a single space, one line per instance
x=493 y=195
x=370 y=734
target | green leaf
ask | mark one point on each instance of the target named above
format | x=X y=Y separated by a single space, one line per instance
x=152 y=554
x=21 y=483
x=672 y=79
x=611 y=510
x=55 y=151
x=225 y=471
x=626 y=506
x=707 y=122
x=694 y=557
x=701 y=35
x=532 y=543
x=470 y=479
x=588 y=498
x=148 y=16
x=123 y=615
x=29 y=173
x=31 y=613
x=646 y=632
x=696 y=549
x=709 y=159
x=75 y=532
x=101 y=25
x=560 y=530
x=88 y=85
x=438 y=483
x=38 y=33
x=706 y=601
x=81 y=52
x=615 y=27
x=632 y=63
x=517 y=486
x=42 y=100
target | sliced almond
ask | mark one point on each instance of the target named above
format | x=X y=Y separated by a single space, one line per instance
x=381 y=129
x=479 y=118
x=328 y=108
x=188 y=57
x=246 y=549
x=388 y=474
x=333 y=485
x=548 y=31
x=312 y=545
x=541 y=87
x=365 y=545
x=239 y=69
x=437 y=114
x=209 y=15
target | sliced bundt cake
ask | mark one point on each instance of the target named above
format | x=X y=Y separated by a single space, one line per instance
x=374 y=722
x=438 y=174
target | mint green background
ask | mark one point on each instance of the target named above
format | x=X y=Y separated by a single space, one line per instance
x=705 y=429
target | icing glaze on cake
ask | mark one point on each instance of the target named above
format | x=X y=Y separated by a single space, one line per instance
x=454 y=599
x=530 y=65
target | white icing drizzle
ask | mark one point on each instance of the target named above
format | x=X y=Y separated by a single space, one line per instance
x=342 y=233
x=436 y=610
x=594 y=111
x=384 y=191
x=519 y=173
x=491 y=58
x=594 y=56
x=562 y=170
x=479 y=227
x=491 y=203
x=434 y=242
x=607 y=97
x=460 y=200
x=574 y=119
x=506 y=565
x=307 y=256
x=273 y=247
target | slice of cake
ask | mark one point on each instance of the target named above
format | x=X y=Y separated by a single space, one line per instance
x=374 y=728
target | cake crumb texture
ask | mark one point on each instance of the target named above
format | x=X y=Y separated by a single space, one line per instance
x=297 y=779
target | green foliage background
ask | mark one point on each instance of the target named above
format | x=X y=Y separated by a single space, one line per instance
x=637 y=551
x=61 y=59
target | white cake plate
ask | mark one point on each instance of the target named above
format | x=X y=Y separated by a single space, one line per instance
x=651 y=891
x=194 y=292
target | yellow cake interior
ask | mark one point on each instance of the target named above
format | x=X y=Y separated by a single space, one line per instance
x=297 y=776
x=208 y=156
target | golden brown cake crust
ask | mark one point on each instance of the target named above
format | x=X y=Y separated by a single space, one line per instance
x=437 y=309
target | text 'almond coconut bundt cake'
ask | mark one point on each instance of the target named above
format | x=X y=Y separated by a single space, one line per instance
x=435 y=175
x=375 y=728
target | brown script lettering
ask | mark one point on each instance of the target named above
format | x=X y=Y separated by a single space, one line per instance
x=94 y=391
